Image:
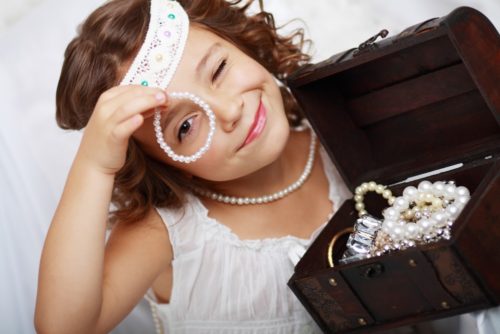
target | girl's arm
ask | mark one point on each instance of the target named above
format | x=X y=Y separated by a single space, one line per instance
x=84 y=286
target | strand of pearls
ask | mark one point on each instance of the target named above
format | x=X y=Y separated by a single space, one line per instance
x=360 y=191
x=267 y=198
x=211 y=122
x=421 y=215
x=156 y=318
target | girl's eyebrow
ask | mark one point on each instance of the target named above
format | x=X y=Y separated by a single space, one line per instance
x=203 y=62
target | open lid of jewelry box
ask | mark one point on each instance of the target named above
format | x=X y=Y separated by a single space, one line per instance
x=426 y=98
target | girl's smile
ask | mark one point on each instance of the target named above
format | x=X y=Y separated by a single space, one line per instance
x=257 y=126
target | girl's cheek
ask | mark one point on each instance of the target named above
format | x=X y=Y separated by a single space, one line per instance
x=247 y=75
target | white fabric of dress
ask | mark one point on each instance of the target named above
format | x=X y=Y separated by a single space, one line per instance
x=223 y=284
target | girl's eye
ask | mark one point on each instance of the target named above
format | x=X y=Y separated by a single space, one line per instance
x=185 y=128
x=219 y=70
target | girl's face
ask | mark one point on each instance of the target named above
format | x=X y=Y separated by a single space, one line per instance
x=251 y=126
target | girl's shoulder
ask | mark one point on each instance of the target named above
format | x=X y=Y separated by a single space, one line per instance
x=147 y=236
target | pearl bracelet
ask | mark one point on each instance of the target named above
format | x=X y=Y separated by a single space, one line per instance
x=359 y=195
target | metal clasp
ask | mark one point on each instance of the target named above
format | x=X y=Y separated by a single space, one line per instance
x=369 y=43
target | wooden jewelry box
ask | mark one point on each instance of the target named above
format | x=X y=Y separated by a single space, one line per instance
x=425 y=99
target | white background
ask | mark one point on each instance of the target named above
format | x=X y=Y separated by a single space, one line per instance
x=35 y=155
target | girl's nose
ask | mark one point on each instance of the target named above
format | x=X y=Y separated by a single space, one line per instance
x=228 y=113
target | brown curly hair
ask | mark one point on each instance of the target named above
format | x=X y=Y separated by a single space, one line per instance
x=110 y=37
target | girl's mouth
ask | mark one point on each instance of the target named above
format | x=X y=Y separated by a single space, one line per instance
x=257 y=125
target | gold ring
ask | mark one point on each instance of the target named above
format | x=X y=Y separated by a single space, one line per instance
x=347 y=230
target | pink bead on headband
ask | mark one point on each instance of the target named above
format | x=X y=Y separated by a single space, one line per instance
x=157 y=61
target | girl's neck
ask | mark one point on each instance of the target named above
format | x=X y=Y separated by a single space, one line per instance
x=275 y=176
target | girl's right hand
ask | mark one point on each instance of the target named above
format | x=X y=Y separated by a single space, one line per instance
x=119 y=112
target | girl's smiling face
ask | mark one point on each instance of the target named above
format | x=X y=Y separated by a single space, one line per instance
x=251 y=126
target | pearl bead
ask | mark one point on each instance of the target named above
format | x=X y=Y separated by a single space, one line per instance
x=386 y=194
x=438 y=188
x=462 y=200
x=425 y=186
x=159 y=57
x=462 y=191
x=437 y=203
x=390 y=213
x=411 y=231
x=389 y=224
x=401 y=203
x=397 y=233
x=358 y=198
x=420 y=198
x=425 y=224
x=428 y=197
x=453 y=211
x=359 y=206
x=409 y=193
x=449 y=191
x=440 y=218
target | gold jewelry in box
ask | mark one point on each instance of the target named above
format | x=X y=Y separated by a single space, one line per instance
x=337 y=236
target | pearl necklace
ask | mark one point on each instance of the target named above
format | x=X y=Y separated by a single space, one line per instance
x=267 y=198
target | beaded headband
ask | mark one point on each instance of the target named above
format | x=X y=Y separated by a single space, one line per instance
x=162 y=50
x=157 y=61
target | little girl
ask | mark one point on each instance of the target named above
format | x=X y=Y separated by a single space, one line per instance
x=192 y=138
x=209 y=241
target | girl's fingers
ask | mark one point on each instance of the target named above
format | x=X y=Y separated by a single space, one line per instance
x=115 y=91
x=114 y=97
x=124 y=130
x=127 y=106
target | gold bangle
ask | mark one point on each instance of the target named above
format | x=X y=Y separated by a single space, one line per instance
x=347 y=230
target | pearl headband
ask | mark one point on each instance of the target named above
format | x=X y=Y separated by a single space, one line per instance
x=157 y=61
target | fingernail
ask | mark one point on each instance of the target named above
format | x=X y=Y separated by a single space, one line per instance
x=137 y=119
x=160 y=96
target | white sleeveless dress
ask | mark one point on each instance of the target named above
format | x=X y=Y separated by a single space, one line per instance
x=222 y=284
